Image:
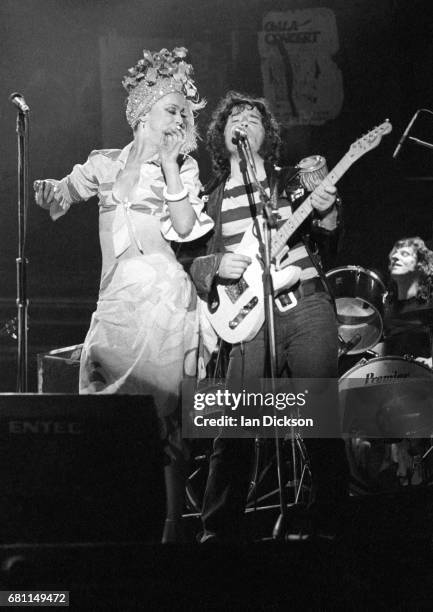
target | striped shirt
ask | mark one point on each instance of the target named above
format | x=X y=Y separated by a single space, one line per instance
x=237 y=215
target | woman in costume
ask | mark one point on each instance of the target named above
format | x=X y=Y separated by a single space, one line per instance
x=144 y=334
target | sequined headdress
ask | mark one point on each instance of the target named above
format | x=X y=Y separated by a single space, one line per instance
x=156 y=75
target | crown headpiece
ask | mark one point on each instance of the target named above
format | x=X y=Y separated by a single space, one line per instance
x=156 y=75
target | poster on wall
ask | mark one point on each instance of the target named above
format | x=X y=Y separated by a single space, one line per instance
x=300 y=77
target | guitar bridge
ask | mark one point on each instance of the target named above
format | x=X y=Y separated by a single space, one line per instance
x=243 y=312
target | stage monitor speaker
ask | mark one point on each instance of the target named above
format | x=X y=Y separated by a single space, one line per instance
x=80 y=468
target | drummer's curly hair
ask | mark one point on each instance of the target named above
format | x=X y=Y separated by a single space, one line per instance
x=424 y=266
x=215 y=134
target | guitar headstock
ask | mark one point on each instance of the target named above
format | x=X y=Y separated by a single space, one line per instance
x=370 y=140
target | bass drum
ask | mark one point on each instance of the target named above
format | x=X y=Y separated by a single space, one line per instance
x=359 y=296
x=373 y=405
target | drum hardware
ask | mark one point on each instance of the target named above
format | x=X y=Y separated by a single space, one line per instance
x=201 y=450
x=427 y=462
x=349 y=345
x=298 y=482
x=409 y=357
x=359 y=299
x=263 y=491
x=428 y=452
x=359 y=362
x=196 y=481
x=362 y=361
x=405 y=134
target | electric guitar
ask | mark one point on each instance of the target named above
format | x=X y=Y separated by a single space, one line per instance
x=238 y=312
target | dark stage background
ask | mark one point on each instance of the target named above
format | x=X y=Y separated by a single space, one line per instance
x=68 y=57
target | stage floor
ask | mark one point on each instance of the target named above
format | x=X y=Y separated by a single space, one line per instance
x=316 y=575
x=381 y=559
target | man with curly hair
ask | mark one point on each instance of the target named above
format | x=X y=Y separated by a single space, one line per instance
x=305 y=325
x=410 y=292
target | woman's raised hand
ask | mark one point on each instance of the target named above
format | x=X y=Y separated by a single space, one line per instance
x=171 y=144
x=46 y=192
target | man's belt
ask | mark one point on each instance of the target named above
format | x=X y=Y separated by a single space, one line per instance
x=286 y=300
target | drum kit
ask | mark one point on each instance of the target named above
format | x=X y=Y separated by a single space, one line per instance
x=388 y=423
x=386 y=402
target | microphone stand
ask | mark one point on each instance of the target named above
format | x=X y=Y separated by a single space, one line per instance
x=22 y=130
x=418 y=141
x=422 y=143
x=270 y=218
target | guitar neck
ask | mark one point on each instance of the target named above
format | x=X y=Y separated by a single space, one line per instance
x=305 y=209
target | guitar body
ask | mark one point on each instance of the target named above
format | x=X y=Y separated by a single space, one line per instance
x=239 y=312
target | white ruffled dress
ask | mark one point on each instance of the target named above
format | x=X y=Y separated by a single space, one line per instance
x=144 y=334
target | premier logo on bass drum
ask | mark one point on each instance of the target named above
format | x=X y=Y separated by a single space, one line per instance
x=371 y=377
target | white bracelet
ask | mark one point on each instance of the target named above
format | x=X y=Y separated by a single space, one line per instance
x=175 y=197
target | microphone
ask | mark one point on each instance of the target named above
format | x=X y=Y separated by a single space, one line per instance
x=349 y=345
x=405 y=134
x=238 y=134
x=18 y=99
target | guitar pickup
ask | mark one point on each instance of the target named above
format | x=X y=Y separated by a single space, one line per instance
x=235 y=290
x=243 y=312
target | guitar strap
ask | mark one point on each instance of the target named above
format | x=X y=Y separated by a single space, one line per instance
x=249 y=190
x=317 y=264
x=286 y=179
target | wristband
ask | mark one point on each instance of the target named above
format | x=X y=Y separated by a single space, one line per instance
x=175 y=197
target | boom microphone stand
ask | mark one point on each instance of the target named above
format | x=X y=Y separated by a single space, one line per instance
x=22 y=130
x=405 y=135
x=270 y=218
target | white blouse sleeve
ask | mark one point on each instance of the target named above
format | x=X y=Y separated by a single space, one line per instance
x=81 y=184
x=190 y=178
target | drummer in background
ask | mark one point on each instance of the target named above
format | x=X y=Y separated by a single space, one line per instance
x=408 y=309
x=408 y=325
